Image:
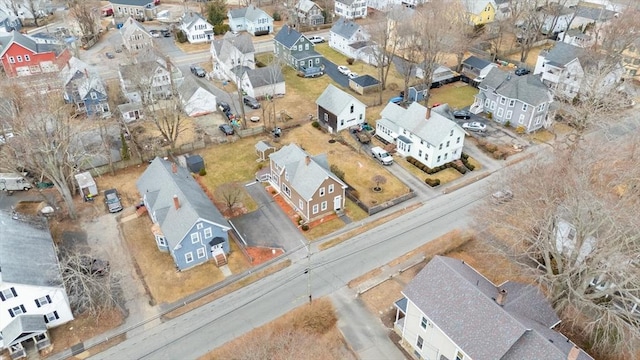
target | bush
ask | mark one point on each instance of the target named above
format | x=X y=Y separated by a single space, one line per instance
x=392 y=86
x=337 y=172
x=410 y=159
x=202 y=172
x=464 y=156
x=491 y=148
x=432 y=182
x=520 y=130
x=276 y=16
x=489 y=115
x=304 y=227
x=350 y=61
x=470 y=167
x=181 y=37
x=221 y=29
x=315 y=124
x=499 y=155
x=319 y=317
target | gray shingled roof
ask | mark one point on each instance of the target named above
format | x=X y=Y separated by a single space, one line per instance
x=346 y=2
x=335 y=100
x=366 y=80
x=306 y=5
x=130 y=26
x=160 y=184
x=23 y=325
x=189 y=87
x=594 y=13
x=263 y=145
x=27 y=253
x=528 y=88
x=345 y=28
x=27 y=42
x=74 y=67
x=93 y=82
x=131 y=2
x=304 y=178
x=303 y=55
x=237 y=13
x=190 y=18
x=413 y=119
x=269 y=75
x=253 y=13
x=461 y=302
x=476 y=62
x=563 y=53
x=287 y=36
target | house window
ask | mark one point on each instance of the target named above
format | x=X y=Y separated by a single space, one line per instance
x=450 y=134
x=512 y=103
x=424 y=322
x=331 y=186
x=459 y=356
x=323 y=206
x=447 y=143
x=521 y=119
x=440 y=148
x=524 y=107
x=208 y=233
x=321 y=191
x=315 y=208
x=326 y=117
x=538 y=120
x=503 y=100
x=419 y=153
x=27 y=58
x=201 y=252
x=51 y=317
x=438 y=159
x=17 y=310
x=188 y=257
x=94 y=96
x=351 y=109
x=301 y=204
x=8 y=294
x=500 y=112
x=162 y=241
x=12 y=60
x=195 y=238
x=306 y=46
x=487 y=102
x=458 y=140
x=426 y=156
x=493 y=105
x=541 y=107
x=419 y=342
x=286 y=190
x=509 y=113
x=43 y=301
x=445 y=156
x=199 y=226
x=19 y=58
x=286 y=175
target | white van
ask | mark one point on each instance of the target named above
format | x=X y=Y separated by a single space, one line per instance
x=381 y=155
x=13 y=181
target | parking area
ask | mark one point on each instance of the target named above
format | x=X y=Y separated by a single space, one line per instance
x=268 y=226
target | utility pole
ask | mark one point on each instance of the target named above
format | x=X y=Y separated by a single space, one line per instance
x=309 y=271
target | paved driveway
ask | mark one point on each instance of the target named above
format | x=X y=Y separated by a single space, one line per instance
x=331 y=69
x=268 y=226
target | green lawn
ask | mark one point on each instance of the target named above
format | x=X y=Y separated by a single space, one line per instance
x=457 y=95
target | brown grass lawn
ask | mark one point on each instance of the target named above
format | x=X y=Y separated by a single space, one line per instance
x=324 y=229
x=354 y=212
x=164 y=283
x=193 y=48
x=310 y=330
x=358 y=168
x=457 y=95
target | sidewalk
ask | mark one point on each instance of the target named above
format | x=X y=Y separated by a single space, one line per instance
x=366 y=335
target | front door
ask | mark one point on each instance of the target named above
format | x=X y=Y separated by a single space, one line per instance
x=310 y=62
x=337 y=203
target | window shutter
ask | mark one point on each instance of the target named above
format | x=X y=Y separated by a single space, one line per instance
x=11 y=313
x=46 y=319
x=37 y=302
x=23 y=309
x=55 y=313
x=13 y=291
x=2 y=296
x=48 y=299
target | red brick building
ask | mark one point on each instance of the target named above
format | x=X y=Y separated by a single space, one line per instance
x=22 y=56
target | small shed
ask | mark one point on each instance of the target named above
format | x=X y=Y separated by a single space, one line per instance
x=86 y=184
x=364 y=84
x=195 y=163
x=263 y=150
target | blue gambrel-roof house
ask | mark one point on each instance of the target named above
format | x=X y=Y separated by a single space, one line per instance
x=186 y=223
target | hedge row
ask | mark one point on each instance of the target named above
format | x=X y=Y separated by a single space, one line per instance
x=432 y=182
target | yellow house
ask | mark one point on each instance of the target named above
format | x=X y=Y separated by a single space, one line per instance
x=481 y=11
x=631 y=61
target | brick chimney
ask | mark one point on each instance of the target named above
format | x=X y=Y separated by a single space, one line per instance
x=502 y=297
x=428 y=112
x=307 y=160
x=176 y=202
x=174 y=168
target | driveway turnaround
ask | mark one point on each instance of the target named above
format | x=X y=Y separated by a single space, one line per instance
x=268 y=226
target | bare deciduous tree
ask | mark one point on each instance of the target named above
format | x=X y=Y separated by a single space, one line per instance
x=378 y=180
x=577 y=235
x=231 y=193
x=86 y=15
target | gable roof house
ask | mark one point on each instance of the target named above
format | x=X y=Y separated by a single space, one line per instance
x=9 y=21
x=196 y=100
x=309 y=13
x=232 y=56
x=364 y=84
x=250 y=19
x=294 y=49
x=422 y=133
x=338 y=110
x=135 y=38
x=521 y=101
x=344 y=34
x=480 y=11
x=196 y=28
x=22 y=56
x=84 y=88
x=567 y=71
x=476 y=69
x=185 y=222
x=33 y=298
x=149 y=79
x=264 y=82
x=138 y=9
x=450 y=311
x=351 y=9
x=306 y=183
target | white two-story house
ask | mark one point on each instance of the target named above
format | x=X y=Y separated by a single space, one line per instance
x=422 y=133
x=233 y=55
x=518 y=101
x=351 y=9
x=450 y=311
x=338 y=110
x=250 y=19
x=135 y=38
x=151 y=79
x=196 y=28
x=33 y=298
x=344 y=34
x=309 y=13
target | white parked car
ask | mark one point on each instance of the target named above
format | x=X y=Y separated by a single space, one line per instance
x=344 y=70
x=316 y=39
x=474 y=126
x=353 y=75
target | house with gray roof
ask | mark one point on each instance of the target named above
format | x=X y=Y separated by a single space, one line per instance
x=427 y=135
x=33 y=298
x=232 y=56
x=196 y=99
x=9 y=21
x=309 y=13
x=186 y=224
x=344 y=33
x=85 y=89
x=306 y=183
x=251 y=19
x=295 y=50
x=476 y=68
x=138 y=9
x=264 y=82
x=21 y=55
x=338 y=110
x=517 y=101
x=351 y=9
x=450 y=311
x=196 y=28
x=364 y=84
x=135 y=38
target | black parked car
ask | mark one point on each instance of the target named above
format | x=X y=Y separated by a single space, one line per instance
x=198 y=71
x=224 y=107
x=226 y=129
x=521 y=71
x=462 y=114
x=251 y=102
x=112 y=200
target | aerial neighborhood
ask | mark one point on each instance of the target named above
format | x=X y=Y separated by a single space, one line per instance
x=443 y=179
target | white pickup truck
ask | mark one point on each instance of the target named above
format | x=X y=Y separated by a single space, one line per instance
x=381 y=155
